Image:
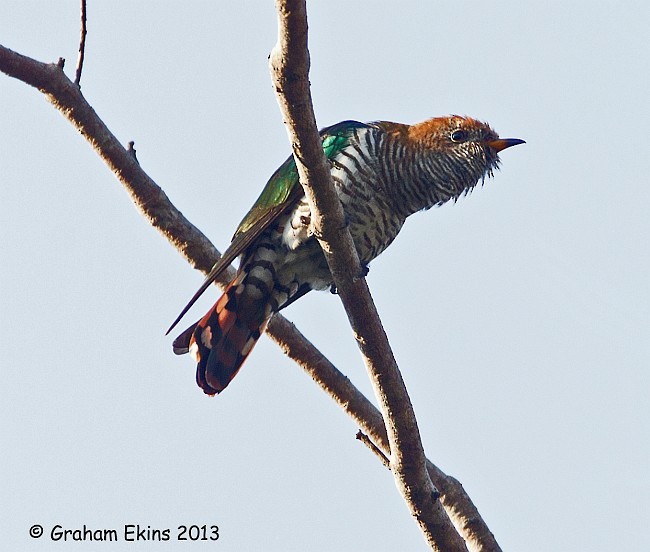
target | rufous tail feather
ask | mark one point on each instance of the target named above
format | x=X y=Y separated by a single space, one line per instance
x=222 y=339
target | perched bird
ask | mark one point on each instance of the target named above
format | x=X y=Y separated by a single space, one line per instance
x=383 y=172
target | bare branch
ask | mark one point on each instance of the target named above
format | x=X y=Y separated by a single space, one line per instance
x=82 y=45
x=149 y=198
x=290 y=70
x=201 y=254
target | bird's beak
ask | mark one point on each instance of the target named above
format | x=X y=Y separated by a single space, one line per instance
x=503 y=143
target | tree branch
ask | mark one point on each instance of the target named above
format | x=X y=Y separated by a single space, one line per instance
x=148 y=197
x=201 y=254
x=290 y=70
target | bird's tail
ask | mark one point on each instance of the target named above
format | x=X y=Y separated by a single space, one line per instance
x=223 y=338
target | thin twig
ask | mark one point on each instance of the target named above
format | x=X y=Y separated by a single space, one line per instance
x=82 y=45
x=361 y=436
x=201 y=254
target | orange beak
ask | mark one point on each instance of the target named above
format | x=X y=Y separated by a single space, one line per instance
x=503 y=143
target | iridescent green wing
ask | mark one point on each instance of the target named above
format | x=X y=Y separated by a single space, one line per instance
x=281 y=192
x=283 y=188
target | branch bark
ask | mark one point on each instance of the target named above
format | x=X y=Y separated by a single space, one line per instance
x=200 y=253
x=290 y=70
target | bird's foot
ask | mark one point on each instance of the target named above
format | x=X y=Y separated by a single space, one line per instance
x=365 y=269
x=364 y=272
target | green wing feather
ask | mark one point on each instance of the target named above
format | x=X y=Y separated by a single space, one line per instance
x=281 y=192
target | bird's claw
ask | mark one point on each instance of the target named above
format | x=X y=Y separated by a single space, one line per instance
x=365 y=269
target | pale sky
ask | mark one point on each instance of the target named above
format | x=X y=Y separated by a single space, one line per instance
x=519 y=316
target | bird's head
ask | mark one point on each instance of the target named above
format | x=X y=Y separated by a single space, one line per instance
x=469 y=143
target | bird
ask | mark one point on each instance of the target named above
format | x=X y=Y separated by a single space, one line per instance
x=382 y=172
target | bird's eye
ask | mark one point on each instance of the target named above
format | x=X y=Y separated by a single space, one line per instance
x=458 y=136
